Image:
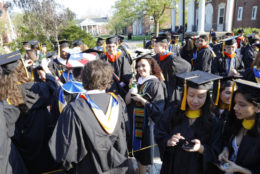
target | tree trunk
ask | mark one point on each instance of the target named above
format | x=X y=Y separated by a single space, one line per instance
x=157 y=27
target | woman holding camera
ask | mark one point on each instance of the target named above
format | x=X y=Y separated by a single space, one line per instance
x=145 y=105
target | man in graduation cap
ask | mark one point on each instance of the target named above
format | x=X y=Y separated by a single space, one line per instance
x=250 y=52
x=122 y=68
x=230 y=63
x=77 y=45
x=240 y=39
x=174 y=45
x=205 y=56
x=149 y=44
x=99 y=44
x=56 y=66
x=170 y=65
x=124 y=47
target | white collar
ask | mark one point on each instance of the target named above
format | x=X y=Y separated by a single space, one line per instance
x=141 y=81
x=95 y=91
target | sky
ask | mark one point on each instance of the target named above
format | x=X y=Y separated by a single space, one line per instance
x=84 y=8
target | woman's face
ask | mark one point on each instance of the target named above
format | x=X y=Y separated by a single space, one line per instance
x=243 y=108
x=225 y=95
x=196 y=98
x=143 y=68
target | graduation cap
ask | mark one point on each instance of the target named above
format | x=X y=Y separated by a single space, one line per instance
x=198 y=80
x=256 y=44
x=33 y=42
x=9 y=62
x=100 y=40
x=120 y=37
x=26 y=43
x=112 y=40
x=248 y=87
x=92 y=51
x=143 y=53
x=175 y=36
x=44 y=44
x=228 y=41
x=162 y=39
x=77 y=43
x=50 y=55
x=240 y=31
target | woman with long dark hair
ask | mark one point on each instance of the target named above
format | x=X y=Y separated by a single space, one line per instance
x=187 y=134
x=145 y=106
x=242 y=153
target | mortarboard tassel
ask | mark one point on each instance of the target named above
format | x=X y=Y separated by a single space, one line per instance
x=183 y=103
x=218 y=94
x=223 y=49
x=32 y=71
x=105 y=49
x=231 y=98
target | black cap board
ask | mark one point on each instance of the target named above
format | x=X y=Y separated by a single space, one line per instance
x=33 y=42
x=77 y=43
x=120 y=37
x=162 y=39
x=111 y=40
x=199 y=79
x=8 y=62
x=257 y=45
x=251 y=88
x=145 y=54
x=230 y=41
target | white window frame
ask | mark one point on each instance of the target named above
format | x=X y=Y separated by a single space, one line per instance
x=221 y=16
x=254 y=13
x=240 y=14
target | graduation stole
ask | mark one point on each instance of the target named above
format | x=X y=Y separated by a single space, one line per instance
x=257 y=74
x=107 y=121
x=230 y=55
x=248 y=124
x=193 y=114
x=204 y=46
x=113 y=58
x=223 y=106
x=67 y=76
x=164 y=56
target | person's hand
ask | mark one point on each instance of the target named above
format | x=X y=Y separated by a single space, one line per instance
x=224 y=154
x=233 y=167
x=42 y=75
x=174 y=140
x=233 y=72
x=28 y=63
x=139 y=98
x=198 y=147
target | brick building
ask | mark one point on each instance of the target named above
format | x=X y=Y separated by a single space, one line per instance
x=222 y=15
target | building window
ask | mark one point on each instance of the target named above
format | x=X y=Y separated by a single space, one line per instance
x=221 y=16
x=240 y=13
x=254 y=11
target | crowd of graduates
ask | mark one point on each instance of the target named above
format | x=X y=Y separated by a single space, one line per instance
x=80 y=110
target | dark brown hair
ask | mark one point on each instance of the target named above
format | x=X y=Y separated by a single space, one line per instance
x=9 y=84
x=97 y=74
x=256 y=62
x=155 y=68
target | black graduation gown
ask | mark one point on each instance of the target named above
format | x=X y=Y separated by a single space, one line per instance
x=248 y=56
x=10 y=159
x=34 y=126
x=175 y=159
x=124 y=48
x=217 y=48
x=82 y=145
x=152 y=113
x=187 y=55
x=123 y=70
x=148 y=45
x=171 y=66
x=248 y=155
x=203 y=61
x=56 y=67
x=249 y=75
x=219 y=66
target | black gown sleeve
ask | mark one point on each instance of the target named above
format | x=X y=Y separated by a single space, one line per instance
x=126 y=70
x=204 y=60
x=157 y=103
x=67 y=143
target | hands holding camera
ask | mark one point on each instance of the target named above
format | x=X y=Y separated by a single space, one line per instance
x=189 y=146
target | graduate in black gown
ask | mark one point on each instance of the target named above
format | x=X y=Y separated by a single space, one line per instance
x=230 y=63
x=174 y=46
x=188 y=136
x=242 y=152
x=122 y=69
x=186 y=52
x=253 y=73
x=170 y=66
x=90 y=135
x=250 y=52
x=33 y=127
x=124 y=48
x=11 y=161
x=56 y=66
x=205 y=56
x=145 y=106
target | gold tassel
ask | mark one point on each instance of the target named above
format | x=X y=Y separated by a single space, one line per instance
x=218 y=94
x=105 y=49
x=183 y=103
x=32 y=72
x=26 y=71
x=223 y=45
x=231 y=98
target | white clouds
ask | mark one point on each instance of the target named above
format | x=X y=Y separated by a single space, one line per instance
x=85 y=8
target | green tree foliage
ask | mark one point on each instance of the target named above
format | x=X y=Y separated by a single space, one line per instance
x=74 y=32
x=247 y=31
